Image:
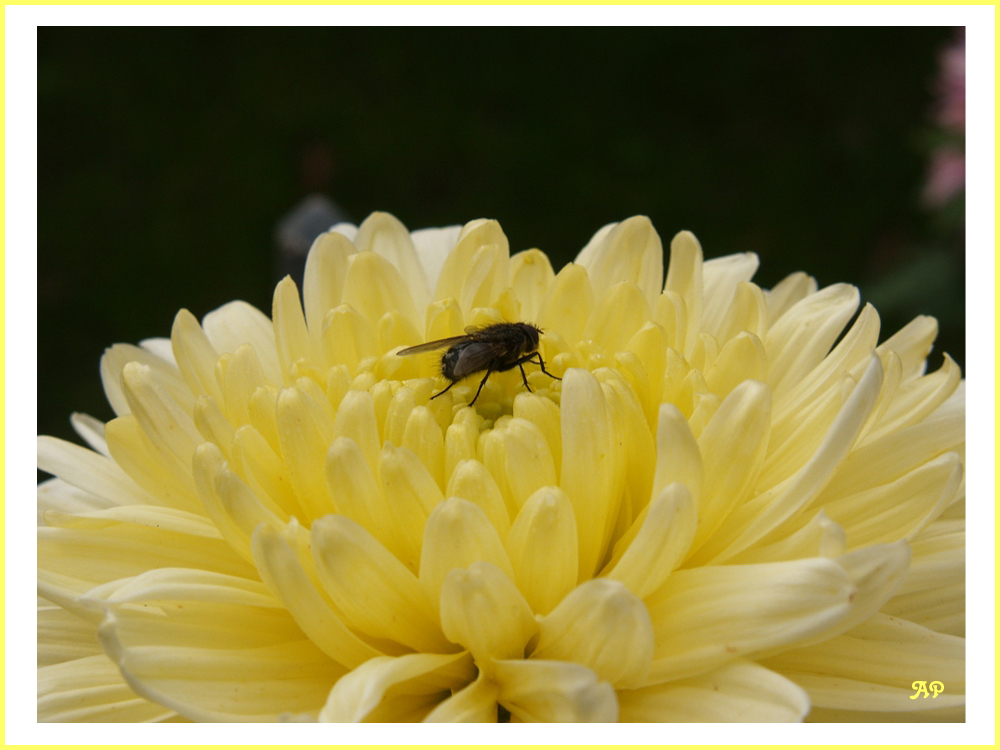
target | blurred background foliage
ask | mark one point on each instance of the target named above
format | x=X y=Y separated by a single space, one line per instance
x=166 y=157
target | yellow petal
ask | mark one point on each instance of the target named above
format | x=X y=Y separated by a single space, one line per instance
x=800 y=340
x=592 y=474
x=721 y=278
x=535 y=690
x=542 y=546
x=530 y=276
x=323 y=281
x=411 y=493
x=433 y=247
x=684 y=278
x=219 y=662
x=373 y=286
x=732 y=446
x=165 y=373
x=290 y=333
x=384 y=234
x=195 y=355
x=738 y=692
x=657 y=542
x=348 y=337
x=621 y=311
x=359 y=693
x=471 y=481
x=305 y=430
x=284 y=575
x=787 y=292
x=872 y=667
x=483 y=611
x=475 y=270
x=457 y=534
x=913 y=342
x=89 y=471
x=237 y=323
x=603 y=626
x=473 y=703
x=92 y=689
x=376 y=593
x=630 y=251
x=527 y=460
x=568 y=304
x=705 y=617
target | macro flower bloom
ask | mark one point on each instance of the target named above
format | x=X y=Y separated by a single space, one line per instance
x=735 y=505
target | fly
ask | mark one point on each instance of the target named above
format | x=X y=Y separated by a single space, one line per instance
x=494 y=348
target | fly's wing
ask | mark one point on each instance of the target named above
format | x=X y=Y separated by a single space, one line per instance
x=476 y=356
x=431 y=346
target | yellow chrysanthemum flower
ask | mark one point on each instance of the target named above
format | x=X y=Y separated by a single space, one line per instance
x=728 y=509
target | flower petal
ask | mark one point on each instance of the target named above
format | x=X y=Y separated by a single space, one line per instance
x=457 y=534
x=291 y=336
x=113 y=362
x=89 y=471
x=542 y=546
x=357 y=694
x=238 y=323
x=63 y=636
x=872 y=666
x=475 y=271
x=657 y=542
x=376 y=593
x=471 y=481
x=374 y=286
x=218 y=662
x=629 y=251
x=323 y=280
x=282 y=572
x=92 y=689
x=195 y=355
x=592 y=475
x=531 y=276
x=737 y=692
x=603 y=626
x=721 y=278
x=384 y=234
x=684 y=278
x=483 y=611
x=476 y=702
x=535 y=690
x=704 y=617
x=568 y=304
x=433 y=246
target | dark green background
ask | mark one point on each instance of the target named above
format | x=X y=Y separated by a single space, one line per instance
x=165 y=157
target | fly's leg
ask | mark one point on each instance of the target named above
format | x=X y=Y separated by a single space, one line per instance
x=541 y=363
x=481 y=384
x=524 y=377
x=445 y=390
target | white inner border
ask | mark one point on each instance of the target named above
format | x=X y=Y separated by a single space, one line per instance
x=21 y=332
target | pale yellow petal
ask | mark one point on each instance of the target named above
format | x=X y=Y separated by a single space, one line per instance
x=535 y=690
x=412 y=494
x=376 y=592
x=323 y=280
x=166 y=373
x=737 y=692
x=568 y=304
x=482 y=610
x=304 y=431
x=801 y=338
x=873 y=666
x=592 y=474
x=657 y=542
x=473 y=703
x=384 y=234
x=348 y=337
x=684 y=278
x=528 y=461
x=787 y=292
x=530 y=277
x=475 y=271
x=238 y=323
x=721 y=278
x=433 y=246
x=91 y=689
x=471 y=481
x=357 y=694
x=603 y=626
x=621 y=311
x=705 y=617
x=195 y=355
x=457 y=534
x=89 y=471
x=63 y=636
x=630 y=251
x=284 y=575
x=542 y=547
x=374 y=286
x=291 y=336
x=211 y=662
